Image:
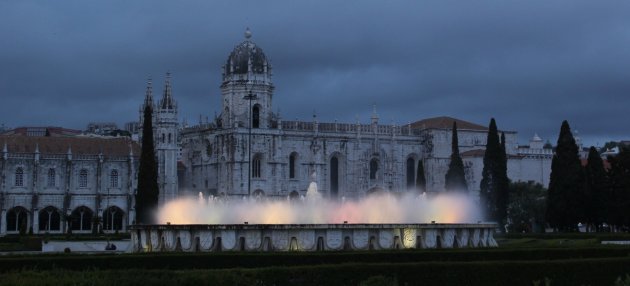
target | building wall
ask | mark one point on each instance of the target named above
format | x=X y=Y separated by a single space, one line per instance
x=66 y=194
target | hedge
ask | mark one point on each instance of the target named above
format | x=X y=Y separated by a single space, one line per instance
x=600 y=236
x=256 y=260
x=601 y=271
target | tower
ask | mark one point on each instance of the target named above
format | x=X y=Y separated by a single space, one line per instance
x=166 y=143
x=247 y=88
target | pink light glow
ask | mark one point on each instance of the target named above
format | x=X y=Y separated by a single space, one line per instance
x=446 y=208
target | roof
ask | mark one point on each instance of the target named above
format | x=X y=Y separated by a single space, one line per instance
x=473 y=153
x=607 y=165
x=445 y=122
x=42 y=131
x=118 y=146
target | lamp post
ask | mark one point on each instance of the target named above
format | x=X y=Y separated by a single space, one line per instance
x=249 y=97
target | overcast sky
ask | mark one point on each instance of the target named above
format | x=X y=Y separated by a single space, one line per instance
x=529 y=64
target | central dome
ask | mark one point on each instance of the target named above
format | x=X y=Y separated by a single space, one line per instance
x=246 y=56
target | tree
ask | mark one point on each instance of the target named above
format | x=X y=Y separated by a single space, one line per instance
x=493 y=187
x=504 y=184
x=596 y=189
x=421 y=181
x=609 y=145
x=526 y=207
x=455 y=179
x=566 y=187
x=619 y=201
x=147 y=195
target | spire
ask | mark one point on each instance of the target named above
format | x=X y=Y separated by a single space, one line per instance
x=248 y=34
x=374 y=115
x=69 y=153
x=148 y=98
x=167 y=100
x=5 y=151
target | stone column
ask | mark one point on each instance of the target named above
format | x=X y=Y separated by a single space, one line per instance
x=35 y=220
x=3 y=222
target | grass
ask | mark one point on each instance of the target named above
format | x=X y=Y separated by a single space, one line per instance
x=602 y=271
x=517 y=243
x=519 y=260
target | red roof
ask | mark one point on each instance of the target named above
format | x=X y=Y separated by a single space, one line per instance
x=606 y=163
x=43 y=131
x=116 y=146
x=445 y=122
x=473 y=153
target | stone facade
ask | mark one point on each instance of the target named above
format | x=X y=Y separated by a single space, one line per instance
x=165 y=138
x=61 y=184
x=248 y=149
x=309 y=237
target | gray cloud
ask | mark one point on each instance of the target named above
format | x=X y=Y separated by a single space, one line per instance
x=529 y=64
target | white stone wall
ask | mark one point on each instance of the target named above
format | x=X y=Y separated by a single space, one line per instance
x=226 y=168
x=36 y=194
x=282 y=238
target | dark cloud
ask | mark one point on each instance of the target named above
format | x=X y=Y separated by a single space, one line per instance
x=529 y=64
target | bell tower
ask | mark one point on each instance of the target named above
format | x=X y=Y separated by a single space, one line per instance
x=247 y=88
x=166 y=133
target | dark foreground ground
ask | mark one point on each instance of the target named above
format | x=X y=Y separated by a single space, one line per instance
x=574 y=259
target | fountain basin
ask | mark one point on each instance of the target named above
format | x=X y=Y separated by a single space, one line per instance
x=309 y=237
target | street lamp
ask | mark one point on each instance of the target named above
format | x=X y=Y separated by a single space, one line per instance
x=249 y=97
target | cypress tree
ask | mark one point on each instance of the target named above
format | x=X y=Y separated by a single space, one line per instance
x=596 y=191
x=421 y=181
x=455 y=179
x=564 y=209
x=503 y=192
x=147 y=194
x=618 y=203
x=489 y=175
x=493 y=189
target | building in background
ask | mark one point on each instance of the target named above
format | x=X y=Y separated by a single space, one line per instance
x=59 y=182
x=250 y=150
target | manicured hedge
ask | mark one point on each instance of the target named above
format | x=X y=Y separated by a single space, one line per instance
x=591 y=235
x=601 y=271
x=257 y=260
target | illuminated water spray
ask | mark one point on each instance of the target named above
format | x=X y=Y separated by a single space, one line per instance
x=382 y=208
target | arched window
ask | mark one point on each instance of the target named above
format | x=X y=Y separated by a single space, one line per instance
x=113 y=179
x=334 y=177
x=17 y=219
x=256 y=168
x=169 y=138
x=421 y=182
x=83 y=178
x=163 y=138
x=81 y=219
x=373 y=169
x=256 y=117
x=292 y=166
x=294 y=195
x=51 y=178
x=113 y=218
x=258 y=193
x=49 y=219
x=411 y=173
x=19 y=177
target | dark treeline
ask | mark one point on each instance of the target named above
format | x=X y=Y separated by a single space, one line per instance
x=593 y=195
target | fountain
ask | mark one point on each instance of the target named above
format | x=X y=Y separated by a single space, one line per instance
x=314 y=224
x=312 y=195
